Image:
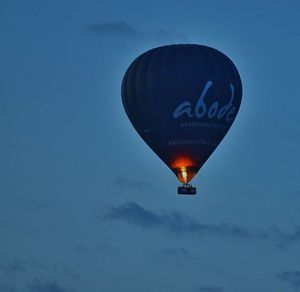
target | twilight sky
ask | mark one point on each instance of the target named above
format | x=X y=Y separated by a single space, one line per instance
x=85 y=205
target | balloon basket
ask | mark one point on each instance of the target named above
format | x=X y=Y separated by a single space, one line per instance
x=186 y=189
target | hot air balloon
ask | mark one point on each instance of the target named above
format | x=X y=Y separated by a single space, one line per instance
x=182 y=100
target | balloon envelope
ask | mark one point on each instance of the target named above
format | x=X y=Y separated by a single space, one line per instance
x=182 y=100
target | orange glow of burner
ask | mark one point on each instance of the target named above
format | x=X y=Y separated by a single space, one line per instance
x=184 y=168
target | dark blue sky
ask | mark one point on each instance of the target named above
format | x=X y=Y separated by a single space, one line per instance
x=85 y=205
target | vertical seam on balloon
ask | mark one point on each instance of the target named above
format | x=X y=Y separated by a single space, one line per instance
x=150 y=63
x=139 y=68
x=131 y=80
x=128 y=108
x=162 y=58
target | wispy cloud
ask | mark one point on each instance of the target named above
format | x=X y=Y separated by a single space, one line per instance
x=292 y=277
x=13 y=273
x=133 y=214
x=286 y=238
x=13 y=268
x=173 y=221
x=51 y=286
x=177 y=223
x=176 y=252
x=6 y=288
x=162 y=34
x=99 y=247
x=178 y=255
x=210 y=289
x=118 y=29
x=173 y=255
x=133 y=184
x=67 y=272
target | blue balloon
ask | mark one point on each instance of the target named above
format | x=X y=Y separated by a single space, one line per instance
x=182 y=100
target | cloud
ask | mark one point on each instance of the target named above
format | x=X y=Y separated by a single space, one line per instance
x=99 y=247
x=162 y=34
x=174 y=222
x=178 y=223
x=15 y=274
x=84 y=248
x=179 y=255
x=113 y=29
x=38 y=204
x=117 y=29
x=52 y=286
x=6 y=288
x=133 y=214
x=129 y=183
x=292 y=277
x=176 y=252
x=286 y=238
x=12 y=269
x=70 y=273
x=209 y=289
x=173 y=255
